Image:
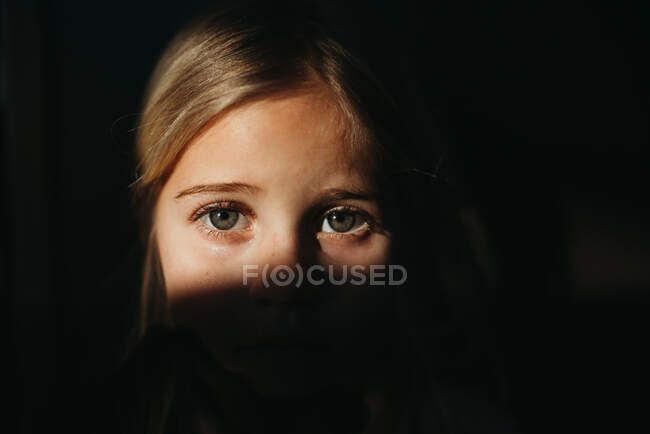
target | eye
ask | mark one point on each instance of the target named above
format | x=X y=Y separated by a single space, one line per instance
x=342 y=221
x=225 y=219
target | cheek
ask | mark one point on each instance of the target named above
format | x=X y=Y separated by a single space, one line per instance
x=355 y=310
x=203 y=282
x=193 y=266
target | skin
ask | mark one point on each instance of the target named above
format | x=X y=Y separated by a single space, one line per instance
x=290 y=149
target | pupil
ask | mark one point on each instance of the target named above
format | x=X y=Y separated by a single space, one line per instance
x=340 y=221
x=223 y=219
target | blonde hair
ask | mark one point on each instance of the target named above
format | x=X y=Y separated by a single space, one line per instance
x=242 y=53
x=226 y=59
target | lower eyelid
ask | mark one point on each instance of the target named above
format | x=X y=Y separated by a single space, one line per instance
x=216 y=234
x=358 y=234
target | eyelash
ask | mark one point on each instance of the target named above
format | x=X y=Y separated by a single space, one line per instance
x=228 y=204
x=211 y=232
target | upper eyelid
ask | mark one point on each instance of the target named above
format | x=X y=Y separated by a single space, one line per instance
x=223 y=204
x=345 y=208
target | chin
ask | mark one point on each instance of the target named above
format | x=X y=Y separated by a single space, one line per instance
x=284 y=373
x=279 y=387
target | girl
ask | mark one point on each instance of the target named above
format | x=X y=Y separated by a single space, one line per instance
x=267 y=152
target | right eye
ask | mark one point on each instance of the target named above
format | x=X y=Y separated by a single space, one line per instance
x=225 y=219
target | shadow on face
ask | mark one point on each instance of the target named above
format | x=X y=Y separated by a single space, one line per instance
x=270 y=188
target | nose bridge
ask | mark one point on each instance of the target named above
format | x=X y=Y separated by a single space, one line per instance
x=284 y=246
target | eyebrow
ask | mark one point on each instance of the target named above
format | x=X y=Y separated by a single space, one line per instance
x=333 y=194
x=223 y=187
x=330 y=194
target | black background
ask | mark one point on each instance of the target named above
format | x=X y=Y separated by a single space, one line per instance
x=545 y=105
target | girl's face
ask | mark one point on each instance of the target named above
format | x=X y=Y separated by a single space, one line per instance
x=268 y=184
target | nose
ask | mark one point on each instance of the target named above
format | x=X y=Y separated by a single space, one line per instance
x=280 y=268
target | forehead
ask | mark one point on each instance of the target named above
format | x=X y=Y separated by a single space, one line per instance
x=276 y=140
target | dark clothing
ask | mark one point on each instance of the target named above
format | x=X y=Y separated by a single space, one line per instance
x=171 y=385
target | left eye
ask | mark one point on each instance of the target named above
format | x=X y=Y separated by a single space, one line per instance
x=342 y=222
x=225 y=219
